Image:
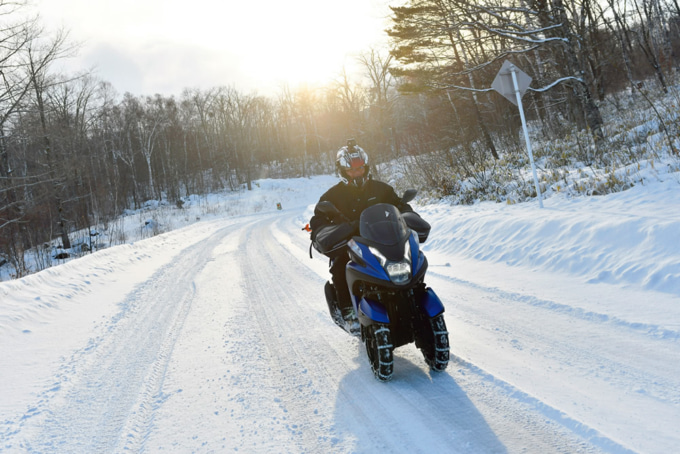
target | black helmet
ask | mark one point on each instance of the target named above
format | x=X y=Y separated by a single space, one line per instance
x=352 y=156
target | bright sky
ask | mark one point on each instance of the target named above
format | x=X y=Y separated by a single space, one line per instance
x=163 y=46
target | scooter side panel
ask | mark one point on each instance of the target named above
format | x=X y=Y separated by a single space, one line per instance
x=432 y=304
x=372 y=267
x=417 y=258
x=374 y=310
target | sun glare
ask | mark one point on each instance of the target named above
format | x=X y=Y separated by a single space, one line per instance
x=254 y=45
x=295 y=42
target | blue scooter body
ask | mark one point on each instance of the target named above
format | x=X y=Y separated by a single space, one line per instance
x=370 y=256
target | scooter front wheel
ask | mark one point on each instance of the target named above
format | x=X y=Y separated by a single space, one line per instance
x=378 y=341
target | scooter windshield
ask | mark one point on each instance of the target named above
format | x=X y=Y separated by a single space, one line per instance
x=382 y=223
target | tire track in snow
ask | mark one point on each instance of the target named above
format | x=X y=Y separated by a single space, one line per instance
x=653 y=331
x=111 y=388
x=282 y=314
x=578 y=355
x=604 y=359
x=530 y=414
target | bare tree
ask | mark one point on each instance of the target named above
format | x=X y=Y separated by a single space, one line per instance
x=14 y=37
x=381 y=96
x=151 y=118
x=41 y=53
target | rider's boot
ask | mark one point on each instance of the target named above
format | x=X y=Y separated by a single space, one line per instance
x=351 y=322
x=345 y=318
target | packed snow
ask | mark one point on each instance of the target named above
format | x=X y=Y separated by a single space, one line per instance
x=214 y=336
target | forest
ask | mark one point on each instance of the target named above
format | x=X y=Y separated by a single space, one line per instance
x=75 y=153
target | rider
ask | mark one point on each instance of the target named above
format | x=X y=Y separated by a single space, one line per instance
x=356 y=191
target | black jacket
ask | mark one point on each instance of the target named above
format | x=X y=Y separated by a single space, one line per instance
x=350 y=201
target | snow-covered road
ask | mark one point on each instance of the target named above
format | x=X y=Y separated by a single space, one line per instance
x=216 y=338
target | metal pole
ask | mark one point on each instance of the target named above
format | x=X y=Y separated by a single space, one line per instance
x=526 y=133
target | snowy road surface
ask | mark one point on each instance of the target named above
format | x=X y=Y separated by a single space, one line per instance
x=216 y=338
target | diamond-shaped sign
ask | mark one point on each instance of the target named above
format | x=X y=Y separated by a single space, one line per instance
x=503 y=82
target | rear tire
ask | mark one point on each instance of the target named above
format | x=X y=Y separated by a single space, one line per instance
x=379 y=348
x=435 y=345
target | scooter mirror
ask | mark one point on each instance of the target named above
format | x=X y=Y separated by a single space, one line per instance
x=409 y=195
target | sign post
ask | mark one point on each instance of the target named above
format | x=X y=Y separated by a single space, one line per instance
x=511 y=82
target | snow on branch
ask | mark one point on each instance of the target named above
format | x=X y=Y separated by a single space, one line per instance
x=516 y=35
x=501 y=56
x=563 y=79
x=482 y=90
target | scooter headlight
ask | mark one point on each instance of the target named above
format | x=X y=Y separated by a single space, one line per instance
x=398 y=272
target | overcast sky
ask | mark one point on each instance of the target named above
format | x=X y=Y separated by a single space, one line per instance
x=163 y=46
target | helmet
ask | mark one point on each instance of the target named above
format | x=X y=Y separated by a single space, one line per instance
x=352 y=156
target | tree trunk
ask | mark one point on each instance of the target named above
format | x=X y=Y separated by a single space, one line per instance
x=589 y=107
x=61 y=222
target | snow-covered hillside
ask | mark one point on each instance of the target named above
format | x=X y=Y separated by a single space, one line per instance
x=214 y=337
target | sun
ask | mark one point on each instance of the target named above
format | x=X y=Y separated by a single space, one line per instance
x=292 y=43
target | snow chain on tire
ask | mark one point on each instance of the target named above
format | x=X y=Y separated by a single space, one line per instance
x=380 y=351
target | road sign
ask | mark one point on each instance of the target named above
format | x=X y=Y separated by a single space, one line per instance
x=512 y=82
x=503 y=82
